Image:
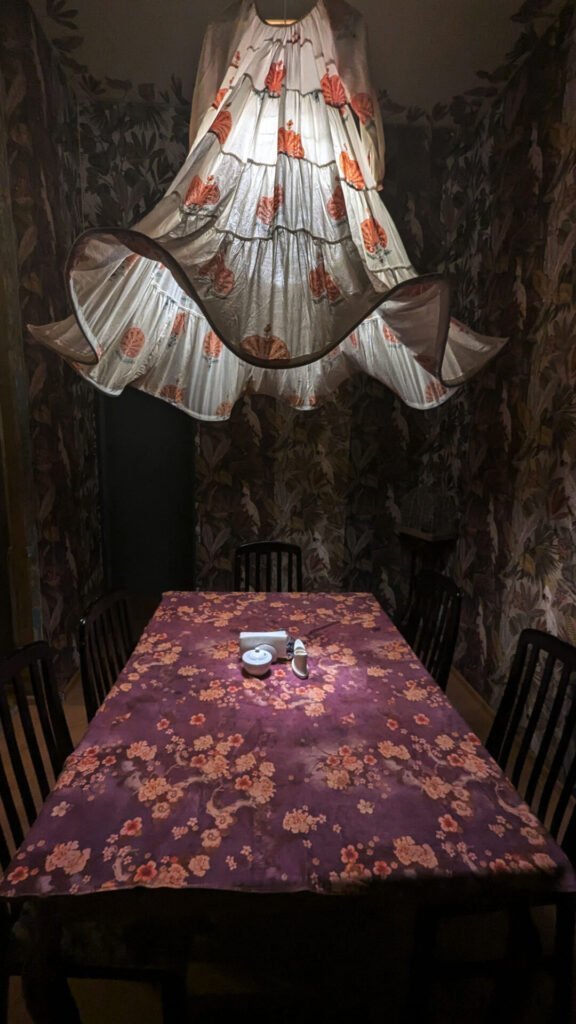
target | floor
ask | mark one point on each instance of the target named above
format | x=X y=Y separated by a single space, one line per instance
x=365 y=958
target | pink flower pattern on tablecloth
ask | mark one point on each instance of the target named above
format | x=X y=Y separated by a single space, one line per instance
x=194 y=774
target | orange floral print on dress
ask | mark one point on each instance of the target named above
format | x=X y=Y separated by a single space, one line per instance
x=211 y=347
x=373 y=235
x=351 y=171
x=173 y=392
x=132 y=341
x=220 y=276
x=130 y=260
x=179 y=322
x=363 y=107
x=219 y=97
x=222 y=126
x=434 y=391
x=290 y=142
x=202 y=193
x=268 y=206
x=224 y=409
x=389 y=334
x=321 y=284
x=275 y=77
x=127 y=263
x=333 y=90
x=336 y=205
x=266 y=346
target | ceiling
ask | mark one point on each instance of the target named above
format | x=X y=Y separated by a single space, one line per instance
x=423 y=52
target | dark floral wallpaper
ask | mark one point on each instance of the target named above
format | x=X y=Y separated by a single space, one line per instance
x=44 y=169
x=509 y=210
x=130 y=151
x=484 y=188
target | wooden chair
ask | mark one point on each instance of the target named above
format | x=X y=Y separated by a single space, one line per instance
x=431 y=623
x=34 y=743
x=268 y=566
x=35 y=739
x=533 y=739
x=536 y=722
x=105 y=642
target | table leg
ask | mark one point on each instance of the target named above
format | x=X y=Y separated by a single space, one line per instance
x=46 y=991
x=564 y=959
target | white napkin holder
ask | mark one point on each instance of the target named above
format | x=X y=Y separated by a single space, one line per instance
x=277 y=639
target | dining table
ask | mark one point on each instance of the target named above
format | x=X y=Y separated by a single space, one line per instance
x=359 y=779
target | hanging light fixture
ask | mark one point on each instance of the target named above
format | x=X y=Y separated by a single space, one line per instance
x=271 y=263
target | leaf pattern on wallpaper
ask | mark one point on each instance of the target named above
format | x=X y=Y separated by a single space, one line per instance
x=43 y=155
x=130 y=153
x=515 y=251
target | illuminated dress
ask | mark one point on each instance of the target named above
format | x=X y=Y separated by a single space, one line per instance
x=271 y=264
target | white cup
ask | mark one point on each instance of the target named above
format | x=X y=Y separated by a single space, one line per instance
x=257 y=662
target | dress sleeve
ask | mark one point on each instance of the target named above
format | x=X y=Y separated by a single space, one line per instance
x=215 y=58
x=350 y=40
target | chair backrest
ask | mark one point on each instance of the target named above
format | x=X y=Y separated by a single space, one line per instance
x=105 y=642
x=431 y=623
x=268 y=565
x=34 y=740
x=533 y=737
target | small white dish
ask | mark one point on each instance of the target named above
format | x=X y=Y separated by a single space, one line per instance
x=257 y=662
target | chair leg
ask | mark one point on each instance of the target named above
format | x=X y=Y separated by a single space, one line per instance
x=45 y=986
x=511 y=992
x=426 y=926
x=5 y=928
x=563 y=960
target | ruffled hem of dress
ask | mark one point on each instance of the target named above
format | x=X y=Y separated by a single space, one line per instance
x=142 y=245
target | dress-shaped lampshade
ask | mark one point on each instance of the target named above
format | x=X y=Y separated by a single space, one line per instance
x=271 y=264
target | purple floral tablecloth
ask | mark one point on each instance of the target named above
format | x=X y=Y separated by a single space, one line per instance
x=195 y=775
